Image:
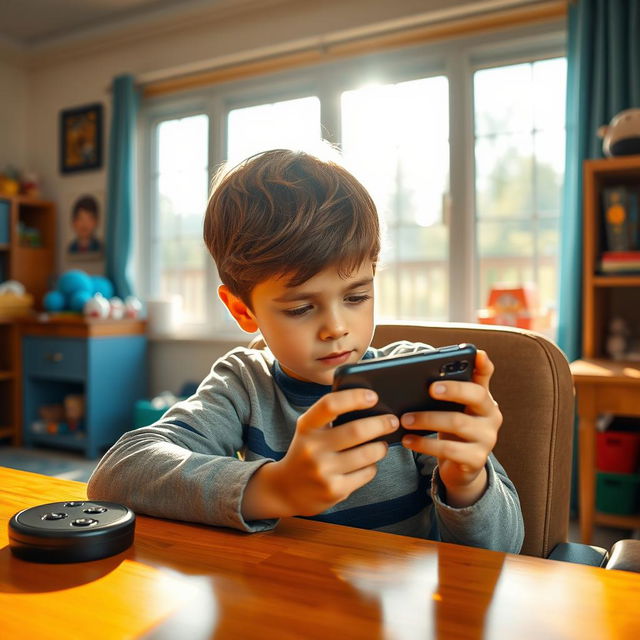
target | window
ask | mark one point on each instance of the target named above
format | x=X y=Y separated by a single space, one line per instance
x=395 y=139
x=519 y=159
x=462 y=151
x=287 y=124
x=179 y=197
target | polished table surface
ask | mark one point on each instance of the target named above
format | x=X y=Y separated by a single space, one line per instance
x=303 y=580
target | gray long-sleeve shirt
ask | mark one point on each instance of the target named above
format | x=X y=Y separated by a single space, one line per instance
x=185 y=466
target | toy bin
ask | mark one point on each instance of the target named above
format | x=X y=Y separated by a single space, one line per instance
x=145 y=413
x=618 y=493
x=618 y=451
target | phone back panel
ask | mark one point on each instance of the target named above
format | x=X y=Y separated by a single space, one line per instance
x=402 y=382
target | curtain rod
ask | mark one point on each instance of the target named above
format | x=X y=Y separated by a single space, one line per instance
x=328 y=49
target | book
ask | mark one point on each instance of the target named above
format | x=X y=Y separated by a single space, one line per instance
x=617 y=219
x=620 y=261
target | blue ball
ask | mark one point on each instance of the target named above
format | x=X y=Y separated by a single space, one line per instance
x=78 y=299
x=74 y=280
x=102 y=285
x=53 y=301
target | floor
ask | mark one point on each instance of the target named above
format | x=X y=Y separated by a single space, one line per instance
x=74 y=466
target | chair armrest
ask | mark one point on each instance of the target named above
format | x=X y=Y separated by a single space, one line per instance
x=625 y=556
x=579 y=554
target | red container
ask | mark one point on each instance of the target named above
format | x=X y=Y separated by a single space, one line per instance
x=618 y=451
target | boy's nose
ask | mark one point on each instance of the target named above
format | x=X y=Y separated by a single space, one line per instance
x=333 y=327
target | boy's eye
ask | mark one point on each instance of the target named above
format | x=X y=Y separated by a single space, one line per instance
x=358 y=298
x=297 y=311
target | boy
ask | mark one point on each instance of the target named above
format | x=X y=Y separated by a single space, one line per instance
x=296 y=241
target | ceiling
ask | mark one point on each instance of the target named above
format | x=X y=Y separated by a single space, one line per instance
x=31 y=23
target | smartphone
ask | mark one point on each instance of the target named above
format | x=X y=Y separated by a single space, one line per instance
x=402 y=382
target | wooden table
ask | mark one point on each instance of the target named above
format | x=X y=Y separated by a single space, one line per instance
x=602 y=386
x=303 y=580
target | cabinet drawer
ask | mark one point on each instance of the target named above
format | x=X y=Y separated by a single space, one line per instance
x=54 y=357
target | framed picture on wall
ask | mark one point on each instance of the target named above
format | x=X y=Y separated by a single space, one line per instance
x=84 y=213
x=81 y=138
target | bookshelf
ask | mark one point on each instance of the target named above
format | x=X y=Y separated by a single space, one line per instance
x=27 y=243
x=27 y=253
x=603 y=385
x=10 y=380
x=605 y=295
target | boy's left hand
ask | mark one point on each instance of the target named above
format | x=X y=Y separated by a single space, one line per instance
x=464 y=439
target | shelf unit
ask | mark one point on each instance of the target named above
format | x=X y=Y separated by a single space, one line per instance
x=603 y=385
x=104 y=361
x=10 y=381
x=28 y=262
x=604 y=295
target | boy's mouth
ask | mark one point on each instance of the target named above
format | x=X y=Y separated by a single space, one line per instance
x=336 y=358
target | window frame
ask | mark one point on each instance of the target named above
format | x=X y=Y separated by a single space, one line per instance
x=456 y=58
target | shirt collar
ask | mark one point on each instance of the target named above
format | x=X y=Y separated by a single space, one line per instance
x=300 y=393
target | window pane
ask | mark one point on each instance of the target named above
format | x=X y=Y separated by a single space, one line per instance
x=290 y=124
x=503 y=99
x=503 y=176
x=549 y=88
x=519 y=152
x=396 y=141
x=549 y=171
x=181 y=186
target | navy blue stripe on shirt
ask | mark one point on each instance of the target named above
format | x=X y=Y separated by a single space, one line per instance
x=183 y=425
x=255 y=442
x=380 y=514
x=368 y=516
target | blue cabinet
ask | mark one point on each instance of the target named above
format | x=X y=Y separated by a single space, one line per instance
x=104 y=362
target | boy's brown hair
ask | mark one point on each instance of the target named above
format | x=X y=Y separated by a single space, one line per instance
x=287 y=212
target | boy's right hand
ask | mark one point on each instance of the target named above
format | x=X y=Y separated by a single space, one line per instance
x=323 y=465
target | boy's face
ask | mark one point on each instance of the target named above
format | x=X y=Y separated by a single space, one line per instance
x=314 y=327
x=84 y=224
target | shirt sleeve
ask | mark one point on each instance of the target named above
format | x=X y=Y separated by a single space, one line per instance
x=185 y=466
x=494 y=521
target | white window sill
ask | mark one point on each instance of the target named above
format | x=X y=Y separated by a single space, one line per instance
x=204 y=337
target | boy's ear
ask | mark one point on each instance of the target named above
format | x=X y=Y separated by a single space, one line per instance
x=238 y=309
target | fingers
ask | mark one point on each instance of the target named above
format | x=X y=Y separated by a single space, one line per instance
x=468 y=456
x=330 y=406
x=483 y=370
x=473 y=395
x=362 y=457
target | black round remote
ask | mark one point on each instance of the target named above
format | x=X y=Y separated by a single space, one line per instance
x=72 y=531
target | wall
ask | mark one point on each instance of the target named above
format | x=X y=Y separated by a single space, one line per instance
x=13 y=109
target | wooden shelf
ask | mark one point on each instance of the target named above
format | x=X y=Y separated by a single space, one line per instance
x=617 y=281
x=6 y=432
x=621 y=522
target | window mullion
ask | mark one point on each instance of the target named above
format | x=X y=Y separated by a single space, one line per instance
x=462 y=246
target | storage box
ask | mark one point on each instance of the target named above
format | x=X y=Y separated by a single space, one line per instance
x=618 y=451
x=145 y=413
x=618 y=493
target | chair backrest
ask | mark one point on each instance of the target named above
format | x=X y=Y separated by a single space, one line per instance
x=533 y=385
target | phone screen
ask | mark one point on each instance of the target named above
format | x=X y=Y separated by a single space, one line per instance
x=402 y=382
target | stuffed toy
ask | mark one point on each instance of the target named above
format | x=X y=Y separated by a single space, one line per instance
x=621 y=137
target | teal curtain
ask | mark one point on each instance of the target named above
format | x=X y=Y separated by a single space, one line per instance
x=603 y=67
x=120 y=183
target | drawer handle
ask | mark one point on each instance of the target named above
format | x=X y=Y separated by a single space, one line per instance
x=54 y=357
